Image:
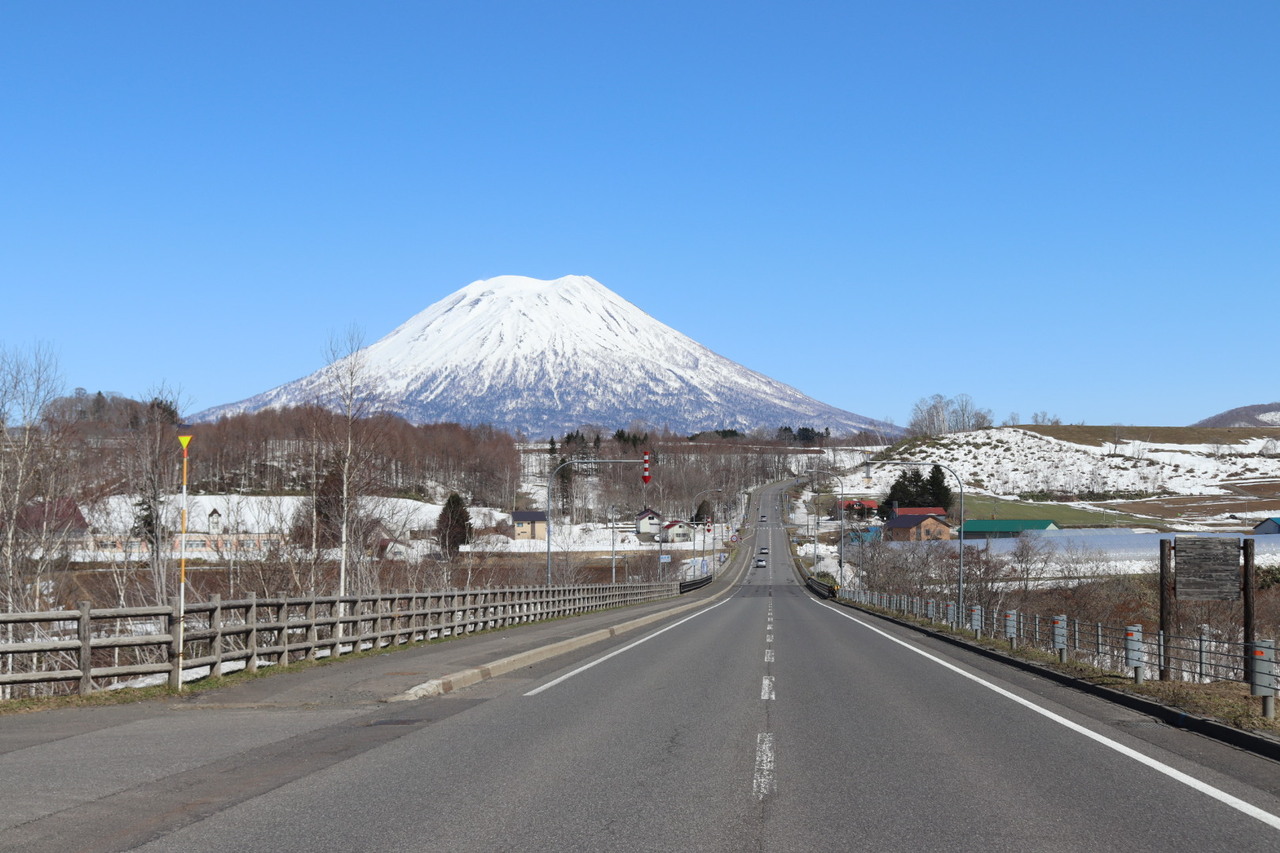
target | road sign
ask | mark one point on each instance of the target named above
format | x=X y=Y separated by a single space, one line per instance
x=665 y=558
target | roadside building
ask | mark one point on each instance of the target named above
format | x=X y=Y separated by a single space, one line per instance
x=677 y=531
x=529 y=524
x=920 y=510
x=916 y=528
x=1004 y=528
x=648 y=521
x=1267 y=525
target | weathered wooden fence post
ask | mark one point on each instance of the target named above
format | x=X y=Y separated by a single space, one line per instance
x=215 y=624
x=175 y=649
x=251 y=638
x=84 y=632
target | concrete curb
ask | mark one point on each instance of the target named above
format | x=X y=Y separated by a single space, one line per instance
x=474 y=675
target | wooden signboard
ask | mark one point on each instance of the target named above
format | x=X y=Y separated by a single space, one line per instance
x=1207 y=568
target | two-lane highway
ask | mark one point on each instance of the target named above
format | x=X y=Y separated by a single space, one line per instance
x=766 y=720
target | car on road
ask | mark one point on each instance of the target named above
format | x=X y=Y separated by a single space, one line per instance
x=764 y=549
x=763 y=519
x=760 y=563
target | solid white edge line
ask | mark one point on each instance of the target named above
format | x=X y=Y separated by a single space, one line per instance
x=625 y=648
x=1159 y=766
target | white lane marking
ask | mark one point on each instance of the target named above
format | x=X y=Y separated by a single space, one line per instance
x=766 y=688
x=768 y=655
x=1159 y=766
x=626 y=648
x=763 y=781
x=768 y=638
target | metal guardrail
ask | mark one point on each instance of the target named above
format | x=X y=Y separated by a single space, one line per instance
x=87 y=649
x=1203 y=658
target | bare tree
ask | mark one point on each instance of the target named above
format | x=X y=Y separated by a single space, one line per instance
x=29 y=382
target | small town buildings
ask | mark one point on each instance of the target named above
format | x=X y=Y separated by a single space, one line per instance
x=916 y=528
x=529 y=524
x=1003 y=528
x=1267 y=525
x=677 y=531
x=862 y=508
x=921 y=510
x=649 y=521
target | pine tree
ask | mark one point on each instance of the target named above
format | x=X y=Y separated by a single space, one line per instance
x=939 y=491
x=453 y=528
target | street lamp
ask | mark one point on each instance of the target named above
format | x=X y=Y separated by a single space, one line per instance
x=866 y=474
x=695 y=512
x=840 y=498
x=551 y=479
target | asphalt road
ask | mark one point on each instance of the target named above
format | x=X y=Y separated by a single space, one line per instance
x=761 y=720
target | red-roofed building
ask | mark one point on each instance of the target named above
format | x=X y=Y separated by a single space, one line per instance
x=922 y=510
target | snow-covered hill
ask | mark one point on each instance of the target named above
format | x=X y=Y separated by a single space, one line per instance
x=1260 y=415
x=546 y=357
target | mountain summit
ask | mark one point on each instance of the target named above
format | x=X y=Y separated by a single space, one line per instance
x=546 y=357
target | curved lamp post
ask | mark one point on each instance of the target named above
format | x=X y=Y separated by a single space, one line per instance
x=695 y=512
x=552 y=479
x=840 y=498
x=960 y=574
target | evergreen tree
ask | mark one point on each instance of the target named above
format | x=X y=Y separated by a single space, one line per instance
x=910 y=489
x=939 y=491
x=453 y=528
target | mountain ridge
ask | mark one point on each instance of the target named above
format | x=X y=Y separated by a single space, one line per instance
x=545 y=357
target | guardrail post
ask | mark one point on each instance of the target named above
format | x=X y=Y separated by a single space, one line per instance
x=215 y=623
x=1134 y=655
x=1060 y=637
x=84 y=633
x=1162 y=655
x=251 y=639
x=975 y=620
x=1011 y=627
x=175 y=648
x=1263 y=678
x=1202 y=643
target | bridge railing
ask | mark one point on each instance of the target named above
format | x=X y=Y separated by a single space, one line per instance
x=92 y=648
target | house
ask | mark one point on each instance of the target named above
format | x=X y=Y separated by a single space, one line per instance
x=677 y=531
x=529 y=524
x=921 y=510
x=1267 y=525
x=861 y=508
x=916 y=528
x=1003 y=528
x=648 y=521
x=59 y=518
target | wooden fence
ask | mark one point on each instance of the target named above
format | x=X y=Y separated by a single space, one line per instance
x=91 y=648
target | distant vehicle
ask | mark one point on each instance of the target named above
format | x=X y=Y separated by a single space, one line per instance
x=763 y=519
x=764 y=550
x=760 y=564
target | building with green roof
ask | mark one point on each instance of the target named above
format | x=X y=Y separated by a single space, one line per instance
x=1003 y=528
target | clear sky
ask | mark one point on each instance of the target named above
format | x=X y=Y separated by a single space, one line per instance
x=1070 y=207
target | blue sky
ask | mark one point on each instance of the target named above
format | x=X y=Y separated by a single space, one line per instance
x=1070 y=207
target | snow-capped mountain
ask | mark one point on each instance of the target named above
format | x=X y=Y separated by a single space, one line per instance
x=1259 y=415
x=546 y=357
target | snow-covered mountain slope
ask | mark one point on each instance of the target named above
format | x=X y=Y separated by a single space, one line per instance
x=1260 y=415
x=545 y=357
